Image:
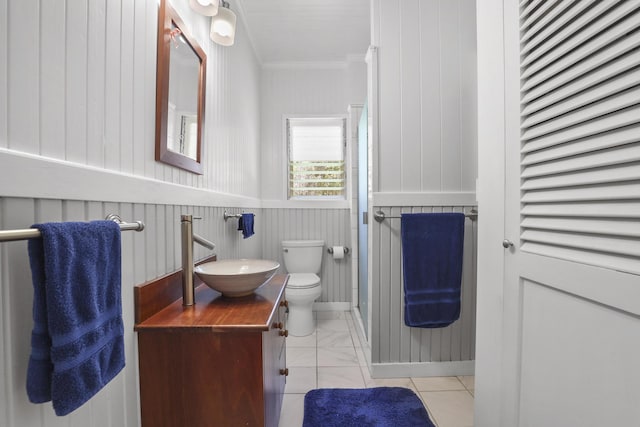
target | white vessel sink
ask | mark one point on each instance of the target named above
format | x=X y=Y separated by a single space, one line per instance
x=236 y=277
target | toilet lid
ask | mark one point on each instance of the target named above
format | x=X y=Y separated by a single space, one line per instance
x=303 y=280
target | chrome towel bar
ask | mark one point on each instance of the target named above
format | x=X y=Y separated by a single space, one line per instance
x=227 y=215
x=32 y=233
x=381 y=216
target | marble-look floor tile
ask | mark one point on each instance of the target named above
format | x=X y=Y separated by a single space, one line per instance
x=292 y=412
x=340 y=377
x=301 y=356
x=332 y=325
x=450 y=408
x=332 y=357
x=469 y=382
x=301 y=380
x=308 y=341
x=387 y=382
x=437 y=383
x=334 y=339
x=337 y=356
x=331 y=315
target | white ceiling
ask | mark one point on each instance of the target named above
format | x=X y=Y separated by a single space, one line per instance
x=306 y=30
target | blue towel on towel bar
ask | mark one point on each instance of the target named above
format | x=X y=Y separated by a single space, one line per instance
x=77 y=343
x=432 y=263
x=245 y=224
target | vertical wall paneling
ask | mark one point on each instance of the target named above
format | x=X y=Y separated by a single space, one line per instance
x=426 y=148
x=450 y=104
x=52 y=79
x=430 y=93
x=468 y=97
x=149 y=65
x=96 y=76
x=139 y=79
x=144 y=257
x=130 y=376
x=4 y=381
x=299 y=90
x=411 y=132
x=393 y=342
x=77 y=84
x=23 y=65
x=329 y=225
x=314 y=90
x=390 y=80
x=355 y=111
x=4 y=68
x=127 y=43
x=426 y=86
x=76 y=81
x=112 y=84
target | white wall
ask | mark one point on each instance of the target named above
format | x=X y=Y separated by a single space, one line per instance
x=425 y=159
x=427 y=95
x=329 y=225
x=77 y=122
x=79 y=85
x=314 y=89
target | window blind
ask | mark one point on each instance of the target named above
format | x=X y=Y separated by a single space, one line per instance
x=316 y=157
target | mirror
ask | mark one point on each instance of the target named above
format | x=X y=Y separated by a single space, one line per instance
x=180 y=89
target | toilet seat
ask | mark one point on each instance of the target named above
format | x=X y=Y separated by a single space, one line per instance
x=303 y=281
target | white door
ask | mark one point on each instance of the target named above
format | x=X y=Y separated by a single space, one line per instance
x=571 y=310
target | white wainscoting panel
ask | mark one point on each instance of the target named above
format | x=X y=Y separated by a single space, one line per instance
x=391 y=340
x=78 y=83
x=427 y=95
x=330 y=225
x=299 y=90
x=145 y=256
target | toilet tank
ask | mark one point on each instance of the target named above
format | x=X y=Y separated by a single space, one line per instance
x=302 y=256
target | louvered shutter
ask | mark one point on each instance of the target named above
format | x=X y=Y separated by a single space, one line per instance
x=580 y=131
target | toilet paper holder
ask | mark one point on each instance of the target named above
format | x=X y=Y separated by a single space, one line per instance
x=330 y=250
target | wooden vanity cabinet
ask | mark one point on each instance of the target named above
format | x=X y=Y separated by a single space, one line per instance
x=219 y=363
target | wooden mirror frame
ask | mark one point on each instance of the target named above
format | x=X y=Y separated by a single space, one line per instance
x=167 y=17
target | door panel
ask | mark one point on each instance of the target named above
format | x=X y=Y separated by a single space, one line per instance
x=571 y=312
x=572 y=353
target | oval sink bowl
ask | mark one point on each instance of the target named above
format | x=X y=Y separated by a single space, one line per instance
x=236 y=277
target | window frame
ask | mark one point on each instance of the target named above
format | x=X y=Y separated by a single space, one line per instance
x=345 y=155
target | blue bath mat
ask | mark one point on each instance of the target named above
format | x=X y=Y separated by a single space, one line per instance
x=364 y=407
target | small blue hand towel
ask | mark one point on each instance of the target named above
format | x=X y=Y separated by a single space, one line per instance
x=245 y=224
x=432 y=247
x=77 y=343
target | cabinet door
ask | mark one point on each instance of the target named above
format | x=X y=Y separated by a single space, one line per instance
x=275 y=371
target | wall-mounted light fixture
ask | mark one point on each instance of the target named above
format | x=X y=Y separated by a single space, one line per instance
x=205 y=7
x=223 y=25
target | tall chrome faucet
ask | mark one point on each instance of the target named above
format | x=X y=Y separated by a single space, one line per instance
x=188 y=237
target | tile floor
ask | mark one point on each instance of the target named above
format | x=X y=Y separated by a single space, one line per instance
x=332 y=358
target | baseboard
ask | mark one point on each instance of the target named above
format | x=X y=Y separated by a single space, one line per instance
x=331 y=306
x=364 y=344
x=425 y=369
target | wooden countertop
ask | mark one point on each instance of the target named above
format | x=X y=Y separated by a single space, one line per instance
x=213 y=312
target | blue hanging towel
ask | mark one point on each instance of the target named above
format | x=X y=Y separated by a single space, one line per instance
x=432 y=262
x=77 y=343
x=245 y=224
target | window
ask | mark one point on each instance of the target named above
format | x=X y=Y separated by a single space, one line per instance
x=316 y=157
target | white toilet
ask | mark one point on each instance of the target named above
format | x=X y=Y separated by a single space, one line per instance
x=302 y=259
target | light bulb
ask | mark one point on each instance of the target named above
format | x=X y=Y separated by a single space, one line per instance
x=223 y=28
x=204 y=2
